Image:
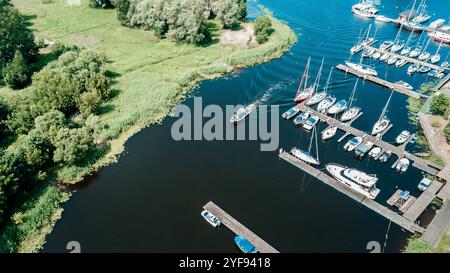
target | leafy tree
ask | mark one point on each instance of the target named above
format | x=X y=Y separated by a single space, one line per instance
x=24 y=110
x=99 y=83
x=439 y=104
x=229 y=13
x=102 y=3
x=4 y=111
x=242 y=9
x=89 y=102
x=263 y=29
x=5 y=2
x=16 y=73
x=73 y=145
x=447 y=132
x=122 y=7
x=14 y=35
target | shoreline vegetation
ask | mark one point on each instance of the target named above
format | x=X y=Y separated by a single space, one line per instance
x=148 y=75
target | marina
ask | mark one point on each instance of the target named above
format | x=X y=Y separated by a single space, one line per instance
x=239 y=229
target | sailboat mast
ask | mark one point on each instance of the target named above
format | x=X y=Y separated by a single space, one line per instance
x=327 y=84
x=352 y=96
x=317 y=144
x=311 y=141
x=319 y=74
x=304 y=79
x=412 y=10
x=386 y=106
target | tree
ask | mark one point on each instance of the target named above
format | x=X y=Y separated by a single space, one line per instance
x=89 y=102
x=102 y=3
x=263 y=29
x=122 y=7
x=5 y=2
x=14 y=35
x=229 y=13
x=99 y=83
x=73 y=145
x=57 y=91
x=447 y=132
x=16 y=73
x=242 y=9
x=439 y=104
x=4 y=111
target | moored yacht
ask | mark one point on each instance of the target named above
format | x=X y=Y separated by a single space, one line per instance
x=386 y=45
x=290 y=113
x=318 y=97
x=210 y=218
x=306 y=155
x=403 y=137
x=402 y=165
x=326 y=103
x=382 y=122
x=362 y=68
x=352 y=144
x=415 y=52
x=328 y=133
x=404 y=85
x=424 y=56
x=413 y=68
x=358 y=181
x=338 y=107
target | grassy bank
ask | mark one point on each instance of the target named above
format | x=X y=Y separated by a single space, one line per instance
x=150 y=77
x=418 y=245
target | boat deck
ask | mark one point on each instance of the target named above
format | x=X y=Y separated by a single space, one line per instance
x=371 y=204
x=423 y=201
x=390 y=85
x=239 y=229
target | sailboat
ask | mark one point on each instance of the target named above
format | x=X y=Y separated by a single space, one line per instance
x=425 y=55
x=307 y=92
x=338 y=107
x=329 y=99
x=352 y=111
x=416 y=51
x=398 y=44
x=436 y=57
x=405 y=51
x=363 y=43
x=306 y=155
x=317 y=97
x=409 y=24
x=383 y=122
x=423 y=14
x=328 y=133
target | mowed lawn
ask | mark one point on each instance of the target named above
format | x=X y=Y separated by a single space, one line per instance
x=151 y=74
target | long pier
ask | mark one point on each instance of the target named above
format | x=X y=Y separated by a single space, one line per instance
x=390 y=85
x=239 y=229
x=369 y=203
x=419 y=206
x=408 y=59
x=399 y=151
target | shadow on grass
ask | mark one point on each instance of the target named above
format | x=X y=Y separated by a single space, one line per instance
x=106 y=108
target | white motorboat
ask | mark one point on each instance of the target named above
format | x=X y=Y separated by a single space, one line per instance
x=413 y=68
x=382 y=122
x=361 y=68
x=300 y=119
x=385 y=156
x=306 y=155
x=386 y=45
x=290 y=113
x=326 y=103
x=242 y=113
x=382 y=18
x=402 y=165
x=338 y=107
x=356 y=180
x=403 y=137
x=375 y=152
x=329 y=133
x=310 y=123
x=210 y=218
x=352 y=144
x=404 y=85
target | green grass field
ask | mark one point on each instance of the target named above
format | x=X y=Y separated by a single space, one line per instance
x=151 y=77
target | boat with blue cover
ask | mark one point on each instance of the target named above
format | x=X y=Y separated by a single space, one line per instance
x=244 y=245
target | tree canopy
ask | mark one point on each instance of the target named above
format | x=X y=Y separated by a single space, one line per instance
x=263 y=29
x=439 y=104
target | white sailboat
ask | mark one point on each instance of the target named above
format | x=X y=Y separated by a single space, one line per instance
x=303 y=91
x=405 y=51
x=362 y=68
x=352 y=111
x=317 y=97
x=306 y=155
x=328 y=133
x=398 y=44
x=423 y=14
x=383 y=122
x=436 y=57
x=329 y=99
x=363 y=43
x=425 y=55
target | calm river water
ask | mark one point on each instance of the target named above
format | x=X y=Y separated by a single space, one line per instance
x=151 y=199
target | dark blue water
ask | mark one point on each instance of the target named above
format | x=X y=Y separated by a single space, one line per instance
x=150 y=201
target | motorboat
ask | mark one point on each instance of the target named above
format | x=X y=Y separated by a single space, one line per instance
x=362 y=68
x=210 y=218
x=329 y=133
x=403 y=137
x=338 y=107
x=385 y=156
x=242 y=113
x=352 y=143
x=354 y=179
x=386 y=45
x=404 y=85
x=365 y=8
x=413 y=68
x=432 y=73
x=375 y=152
x=302 y=117
x=310 y=123
x=382 y=18
x=244 y=245
x=362 y=149
x=424 y=184
x=290 y=113
x=402 y=165
x=326 y=103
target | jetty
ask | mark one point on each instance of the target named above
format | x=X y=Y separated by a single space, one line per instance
x=425 y=199
x=425 y=165
x=369 y=203
x=239 y=229
x=398 y=88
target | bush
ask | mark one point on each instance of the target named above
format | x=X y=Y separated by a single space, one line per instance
x=229 y=13
x=16 y=74
x=122 y=7
x=439 y=104
x=263 y=29
x=447 y=132
x=89 y=102
x=73 y=145
x=4 y=111
x=102 y=3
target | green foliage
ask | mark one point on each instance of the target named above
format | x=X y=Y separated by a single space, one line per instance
x=102 y=3
x=447 y=132
x=122 y=7
x=263 y=29
x=4 y=111
x=73 y=145
x=439 y=104
x=417 y=245
x=5 y=2
x=23 y=112
x=14 y=35
x=16 y=74
x=229 y=13
x=90 y=102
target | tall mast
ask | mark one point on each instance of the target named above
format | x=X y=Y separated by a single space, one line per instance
x=409 y=38
x=319 y=74
x=317 y=145
x=412 y=10
x=327 y=84
x=304 y=80
x=439 y=48
x=352 y=96
x=386 y=106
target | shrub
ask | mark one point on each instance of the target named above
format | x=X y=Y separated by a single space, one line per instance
x=263 y=29
x=439 y=104
x=89 y=102
x=101 y=3
x=122 y=7
x=16 y=73
x=447 y=132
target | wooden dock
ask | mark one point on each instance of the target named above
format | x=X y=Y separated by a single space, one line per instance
x=239 y=229
x=390 y=85
x=399 y=151
x=425 y=199
x=371 y=204
x=398 y=201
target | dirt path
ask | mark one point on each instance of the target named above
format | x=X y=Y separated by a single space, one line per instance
x=243 y=37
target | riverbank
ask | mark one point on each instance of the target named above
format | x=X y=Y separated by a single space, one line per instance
x=151 y=76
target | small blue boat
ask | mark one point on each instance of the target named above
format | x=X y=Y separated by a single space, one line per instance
x=244 y=245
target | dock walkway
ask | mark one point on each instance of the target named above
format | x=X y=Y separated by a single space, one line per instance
x=423 y=201
x=239 y=229
x=384 y=83
x=373 y=205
